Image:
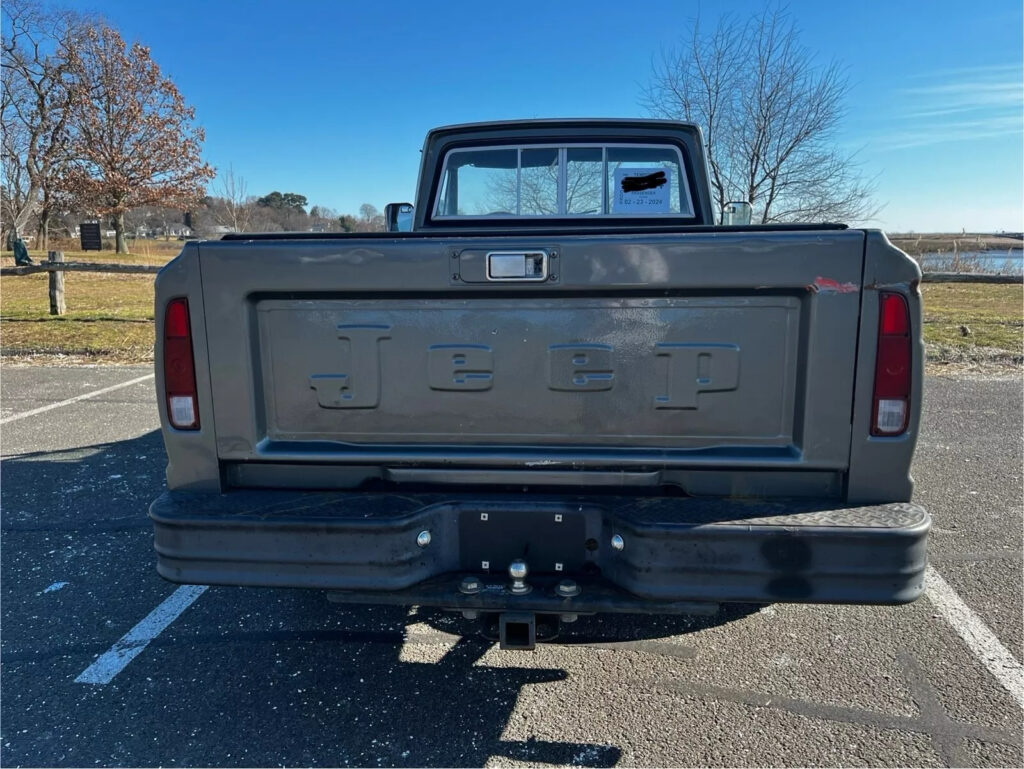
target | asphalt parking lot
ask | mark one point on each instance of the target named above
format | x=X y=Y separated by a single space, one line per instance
x=246 y=677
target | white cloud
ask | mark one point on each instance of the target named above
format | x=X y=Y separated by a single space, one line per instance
x=949 y=131
x=985 y=69
x=967 y=104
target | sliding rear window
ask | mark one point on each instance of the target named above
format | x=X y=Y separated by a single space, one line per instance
x=568 y=181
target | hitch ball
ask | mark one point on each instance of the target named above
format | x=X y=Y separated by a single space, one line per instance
x=518 y=570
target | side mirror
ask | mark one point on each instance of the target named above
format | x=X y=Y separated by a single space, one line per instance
x=736 y=213
x=398 y=217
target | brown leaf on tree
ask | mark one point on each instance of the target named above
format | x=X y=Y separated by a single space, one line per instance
x=134 y=140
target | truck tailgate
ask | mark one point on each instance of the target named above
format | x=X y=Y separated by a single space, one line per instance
x=718 y=350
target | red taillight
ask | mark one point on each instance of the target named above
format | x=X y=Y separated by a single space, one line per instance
x=176 y=325
x=892 y=367
x=179 y=368
x=895 y=320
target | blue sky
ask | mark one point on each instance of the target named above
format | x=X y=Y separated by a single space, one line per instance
x=332 y=99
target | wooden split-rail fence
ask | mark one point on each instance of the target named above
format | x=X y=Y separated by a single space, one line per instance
x=56 y=266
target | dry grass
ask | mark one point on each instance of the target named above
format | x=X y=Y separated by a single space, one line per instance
x=973 y=322
x=143 y=252
x=110 y=319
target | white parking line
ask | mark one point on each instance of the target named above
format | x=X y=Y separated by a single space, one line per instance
x=69 y=401
x=112 y=662
x=976 y=634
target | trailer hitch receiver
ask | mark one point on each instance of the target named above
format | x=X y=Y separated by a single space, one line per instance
x=517 y=630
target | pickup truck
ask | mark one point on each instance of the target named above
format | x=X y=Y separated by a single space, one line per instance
x=565 y=389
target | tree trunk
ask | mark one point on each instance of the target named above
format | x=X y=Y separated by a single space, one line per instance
x=121 y=247
x=43 y=229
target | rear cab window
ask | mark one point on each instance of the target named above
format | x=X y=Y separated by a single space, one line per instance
x=563 y=181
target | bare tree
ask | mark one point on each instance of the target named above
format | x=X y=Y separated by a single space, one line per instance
x=370 y=219
x=36 y=105
x=19 y=198
x=536 y=190
x=153 y=221
x=134 y=143
x=236 y=208
x=265 y=219
x=137 y=222
x=770 y=114
x=281 y=218
x=323 y=219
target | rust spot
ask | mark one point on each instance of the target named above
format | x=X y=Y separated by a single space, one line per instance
x=834 y=286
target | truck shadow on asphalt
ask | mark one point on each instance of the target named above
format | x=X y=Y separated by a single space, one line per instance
x=429 y=679
x=382 y=686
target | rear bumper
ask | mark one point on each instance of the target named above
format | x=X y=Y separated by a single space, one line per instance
x=677 y=552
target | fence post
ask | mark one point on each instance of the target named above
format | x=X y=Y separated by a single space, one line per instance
x=57 y=306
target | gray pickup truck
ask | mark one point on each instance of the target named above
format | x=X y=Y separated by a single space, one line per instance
x=564 y=390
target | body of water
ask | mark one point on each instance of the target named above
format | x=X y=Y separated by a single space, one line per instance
x=1011 y=261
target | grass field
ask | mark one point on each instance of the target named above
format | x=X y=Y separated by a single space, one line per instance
x=143 y=252
x=110 y=317
x=973 y=322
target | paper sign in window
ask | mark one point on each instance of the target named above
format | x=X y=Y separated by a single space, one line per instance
x=642 y=191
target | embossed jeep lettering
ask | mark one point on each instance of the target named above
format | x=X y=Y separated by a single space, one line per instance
x=575 y=367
